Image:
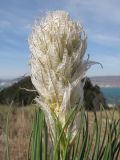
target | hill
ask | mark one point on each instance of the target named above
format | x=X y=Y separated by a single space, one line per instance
x=8 y=82
x=14 y=94
x=106 y=81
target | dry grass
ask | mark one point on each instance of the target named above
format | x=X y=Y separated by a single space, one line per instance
x=20 y=125
x=20 y=122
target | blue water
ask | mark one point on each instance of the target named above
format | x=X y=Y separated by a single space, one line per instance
x=112 y=95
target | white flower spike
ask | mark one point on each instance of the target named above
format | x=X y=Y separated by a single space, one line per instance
x=58 y=45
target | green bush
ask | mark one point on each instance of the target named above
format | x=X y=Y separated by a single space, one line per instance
x=16 y=95
x=93 y=96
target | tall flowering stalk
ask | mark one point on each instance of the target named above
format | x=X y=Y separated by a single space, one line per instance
x=58 y=45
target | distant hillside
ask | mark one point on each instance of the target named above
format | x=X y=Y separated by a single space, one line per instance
x=14 y=93
x=8 y=82
x=106 y=81
x=102 y=81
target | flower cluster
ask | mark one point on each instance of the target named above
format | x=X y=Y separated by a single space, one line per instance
x=58 y=45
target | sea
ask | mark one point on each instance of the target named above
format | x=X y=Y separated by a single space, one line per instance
x=112 y=95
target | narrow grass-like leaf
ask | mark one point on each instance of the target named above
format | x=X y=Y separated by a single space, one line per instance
x=101 y=151
x=37 y=136
x=66 y=151
x=90 y=141
x=7 y=154
x=70 y=118
x=82 y=145
x=117 y=151
x=34 y=140
x=98 y=135
x=45 y=142
x=82 y=113
x=85 y=139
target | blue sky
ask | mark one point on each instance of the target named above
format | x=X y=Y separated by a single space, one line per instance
x=100 y=18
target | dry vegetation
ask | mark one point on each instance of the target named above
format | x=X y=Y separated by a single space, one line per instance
x=19 y=128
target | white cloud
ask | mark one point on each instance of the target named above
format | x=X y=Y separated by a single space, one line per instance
x=17 y=19
x=28 y=26
x=101 y=19
x=110 y=64
x=105 y=39
x=12 y=73
x=106 y=10
x=4 y=24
